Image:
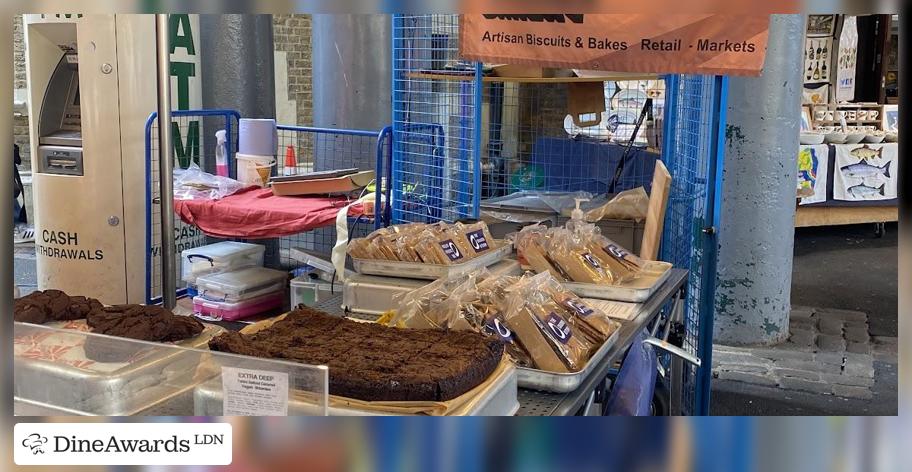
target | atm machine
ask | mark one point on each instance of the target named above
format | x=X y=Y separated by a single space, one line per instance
x=91 y=85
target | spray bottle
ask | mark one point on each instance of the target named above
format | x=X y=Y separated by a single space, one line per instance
x=221 y=153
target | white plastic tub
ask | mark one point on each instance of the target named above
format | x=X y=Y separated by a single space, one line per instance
x=242 y=284
x=219 y=257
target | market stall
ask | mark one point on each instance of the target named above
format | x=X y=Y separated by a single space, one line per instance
x=604 y=255
x=849 y=159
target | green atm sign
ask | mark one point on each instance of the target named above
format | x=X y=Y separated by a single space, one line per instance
x=184 y=61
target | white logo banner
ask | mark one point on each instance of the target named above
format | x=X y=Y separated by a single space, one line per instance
x=122 y=443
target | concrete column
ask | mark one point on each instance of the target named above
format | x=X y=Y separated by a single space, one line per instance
x=758 y=197
x=238 y=73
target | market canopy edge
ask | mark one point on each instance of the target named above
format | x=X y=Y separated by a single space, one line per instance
x=724 y=44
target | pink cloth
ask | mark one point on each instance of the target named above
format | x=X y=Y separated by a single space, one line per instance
x=256 y=213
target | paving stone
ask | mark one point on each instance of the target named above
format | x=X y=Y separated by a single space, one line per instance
x=749 y=378
x=721 y=357
x=847 y=391
x=886 y=340
x=804 y=385
x=798 y=374
x=846 y=315
x=831 y=343
x=808 y=366
x=860 y=369
x=856 y=324
x=802 y=323
x=885 y=352
x=802 y=337
x=780 y=354
x=801 y=312
x=841 y=379
x=756 y=369
x=858 y=348
x=830 y=326
x=857 y=335
x=836 y=358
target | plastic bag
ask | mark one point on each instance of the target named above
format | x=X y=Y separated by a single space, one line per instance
x=635 y=385
x=531 y=250
x=427 y=306
x=545 y=329
x=194 y=184
x=572 y=256
x=630 y=204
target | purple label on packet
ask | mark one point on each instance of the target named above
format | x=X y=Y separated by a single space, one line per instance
x=590 y=259
x=478 y=240
x=578 y=307
x=451 y=250
x=495 y=327
x=616 y=251
x=559 y=328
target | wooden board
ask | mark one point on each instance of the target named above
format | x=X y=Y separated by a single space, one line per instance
x=807 y=216
x=533 y=80
x=655 y=217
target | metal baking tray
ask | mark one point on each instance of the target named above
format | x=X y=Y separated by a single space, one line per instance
x=99 y=389
x=499 y=400
x=636 y=291
x=564 y=382
x=417 y=270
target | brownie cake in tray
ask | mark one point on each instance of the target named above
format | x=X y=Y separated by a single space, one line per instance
x=371 y=362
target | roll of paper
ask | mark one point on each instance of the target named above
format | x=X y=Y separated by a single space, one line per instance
x=257 y=137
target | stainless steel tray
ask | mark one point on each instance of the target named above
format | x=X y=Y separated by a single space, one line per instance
x=416 y=270
x=564 y=382
x=499 y=400
x=637 y=291
x=107 y=389
x=373 y=295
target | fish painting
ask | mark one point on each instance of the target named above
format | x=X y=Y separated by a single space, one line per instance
x=863 y=170
x=866 y=152
x=862 y=191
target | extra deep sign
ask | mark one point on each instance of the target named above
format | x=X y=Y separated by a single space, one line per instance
x=694 y=44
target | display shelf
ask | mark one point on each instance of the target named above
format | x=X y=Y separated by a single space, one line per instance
x=533 y=80
x=807 y=216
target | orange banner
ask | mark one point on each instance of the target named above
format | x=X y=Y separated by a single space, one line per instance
x=695 y=44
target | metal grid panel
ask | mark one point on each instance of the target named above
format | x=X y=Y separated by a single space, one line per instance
x=314 y=149
x=318 y=149
x=691 y=159
x=190 y=146
x=449 y=121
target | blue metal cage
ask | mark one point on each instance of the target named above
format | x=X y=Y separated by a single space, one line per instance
x=314 y=149
x=462 y=136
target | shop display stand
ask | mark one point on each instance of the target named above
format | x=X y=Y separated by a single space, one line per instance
x=535 y=403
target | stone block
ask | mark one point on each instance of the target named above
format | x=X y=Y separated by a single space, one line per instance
x=756 y=379
x=802 y=337
x=722 y=357
x=798 y=374
x=847 y=391
x=857 y=335
x=845 y=315
x=841 y=379
x=858 y=348
x=751 y=368
x=808 y=365
x=832 y=326
x=783 y=353
x=886 y=340
x=859 y=368
x=831 y=343
x=802 y=323
x=793 y=383
x=835 y=358
x=801 y=312
x=856 y=324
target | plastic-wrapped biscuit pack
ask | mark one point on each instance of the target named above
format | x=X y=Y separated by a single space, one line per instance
x=439 y=243
x=543 y=325
x=578 y=255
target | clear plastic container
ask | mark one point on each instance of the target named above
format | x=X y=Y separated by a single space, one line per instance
x=230 y=311
x=219 y=257
x=242 y=284
x=310 y=292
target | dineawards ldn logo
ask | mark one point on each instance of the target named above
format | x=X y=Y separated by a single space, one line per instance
x=122 y=444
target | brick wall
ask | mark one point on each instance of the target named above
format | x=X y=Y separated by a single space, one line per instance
x=20 y=123
x=291 y=34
